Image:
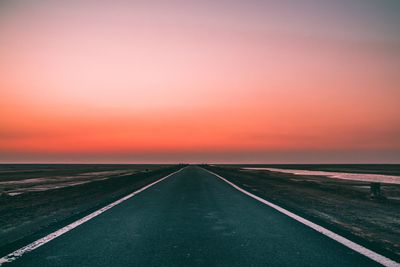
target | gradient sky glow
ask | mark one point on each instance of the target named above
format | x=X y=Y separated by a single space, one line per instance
x=200 y=81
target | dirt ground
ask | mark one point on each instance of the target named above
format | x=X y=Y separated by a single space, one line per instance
x=345 y=207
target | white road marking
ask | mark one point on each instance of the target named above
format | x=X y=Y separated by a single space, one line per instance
x=40 y=242
x=350 y=244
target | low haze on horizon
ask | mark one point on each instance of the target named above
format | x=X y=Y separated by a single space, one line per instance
x=200 y=81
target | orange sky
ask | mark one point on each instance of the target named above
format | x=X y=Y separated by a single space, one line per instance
x=206 y=81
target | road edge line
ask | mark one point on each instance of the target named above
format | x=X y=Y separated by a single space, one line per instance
x=338 y=238
x=40 y=242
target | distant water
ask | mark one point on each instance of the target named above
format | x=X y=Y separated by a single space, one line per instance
x=365 y=177
x=17 y=187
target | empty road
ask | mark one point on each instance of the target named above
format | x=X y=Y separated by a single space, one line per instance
x=192 y=218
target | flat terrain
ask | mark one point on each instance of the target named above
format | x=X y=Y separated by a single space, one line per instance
x=192 y=219
x=28 y=214
x=386 y=169
x=17 y=179
x=341 y=205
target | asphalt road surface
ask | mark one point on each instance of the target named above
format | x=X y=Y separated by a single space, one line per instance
x=192 y=219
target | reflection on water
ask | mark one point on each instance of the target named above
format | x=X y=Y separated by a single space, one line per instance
x=16 y=187
x=338 y=175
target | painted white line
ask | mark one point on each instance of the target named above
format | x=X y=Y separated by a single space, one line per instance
x=344 y=241
x=40 y=242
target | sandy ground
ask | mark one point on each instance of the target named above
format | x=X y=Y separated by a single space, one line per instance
x=341 y=205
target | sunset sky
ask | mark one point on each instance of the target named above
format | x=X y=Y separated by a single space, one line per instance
x=200 y=81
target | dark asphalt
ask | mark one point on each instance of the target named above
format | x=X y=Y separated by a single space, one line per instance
x=192 y=219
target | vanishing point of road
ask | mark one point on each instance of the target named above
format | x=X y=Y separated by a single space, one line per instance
x=192 y=218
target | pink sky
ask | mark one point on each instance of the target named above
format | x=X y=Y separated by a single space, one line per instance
x=205 y=81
